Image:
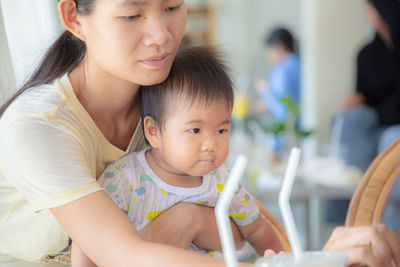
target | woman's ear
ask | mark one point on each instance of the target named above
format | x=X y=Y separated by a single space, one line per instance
x=70 y=19
x=151 y=131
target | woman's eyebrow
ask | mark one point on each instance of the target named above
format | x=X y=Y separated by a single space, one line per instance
x=127 y=3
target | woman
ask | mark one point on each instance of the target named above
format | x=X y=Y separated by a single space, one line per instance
x=56 y=138
x=284 y=77
x=283 y=82
x=64 y=134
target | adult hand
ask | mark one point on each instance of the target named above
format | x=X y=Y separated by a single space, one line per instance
x=354 y=100
x=374 y=245
x=187 y=223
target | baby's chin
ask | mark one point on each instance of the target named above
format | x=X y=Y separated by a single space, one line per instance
x=203 y=173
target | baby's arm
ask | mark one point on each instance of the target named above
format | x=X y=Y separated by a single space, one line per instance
x=79 y=258
x=261 y=236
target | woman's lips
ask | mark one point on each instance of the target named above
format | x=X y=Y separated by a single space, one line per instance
x=157 y=62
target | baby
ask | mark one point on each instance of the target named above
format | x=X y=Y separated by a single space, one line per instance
x=186 y=121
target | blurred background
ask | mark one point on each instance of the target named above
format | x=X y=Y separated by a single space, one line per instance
x=327 y=37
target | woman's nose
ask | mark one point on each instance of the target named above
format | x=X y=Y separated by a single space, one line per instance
x=157 y=32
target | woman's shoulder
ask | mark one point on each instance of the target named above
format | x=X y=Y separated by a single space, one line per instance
x=45 y=103
x=36 y=112
x=36 y=99
x=288 y=63
x=292 y=60
x=42 y=100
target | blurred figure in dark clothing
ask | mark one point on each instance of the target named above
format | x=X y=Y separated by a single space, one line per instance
x=371 y=120
x=378 y=79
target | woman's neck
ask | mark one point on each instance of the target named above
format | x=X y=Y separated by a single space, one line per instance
x=112 y=104
x=100 y=92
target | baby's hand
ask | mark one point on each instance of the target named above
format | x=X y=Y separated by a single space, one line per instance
x=270 y=252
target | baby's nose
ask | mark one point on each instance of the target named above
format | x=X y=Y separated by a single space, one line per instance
x=209 y=145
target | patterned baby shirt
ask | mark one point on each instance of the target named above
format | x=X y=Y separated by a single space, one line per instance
x=143 y=195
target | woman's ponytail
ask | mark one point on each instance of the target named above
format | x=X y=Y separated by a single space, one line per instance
x=63 y=56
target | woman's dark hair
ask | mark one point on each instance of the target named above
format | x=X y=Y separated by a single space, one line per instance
x=281 y=36
x=62 y=57
x=197 y=73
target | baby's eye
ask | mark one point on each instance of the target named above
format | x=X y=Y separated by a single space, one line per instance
x=195 y=130
x=132 y=18
x=222 y=131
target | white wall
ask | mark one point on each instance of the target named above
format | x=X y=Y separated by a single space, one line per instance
x=242 y=26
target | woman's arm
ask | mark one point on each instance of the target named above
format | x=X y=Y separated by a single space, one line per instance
x=109 y=238
x=374 y=245
x=196 y=224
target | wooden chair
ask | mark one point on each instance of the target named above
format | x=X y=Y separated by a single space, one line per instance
x=369 y=200
x=276 y=226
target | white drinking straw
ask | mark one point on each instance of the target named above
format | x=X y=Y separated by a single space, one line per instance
x=221 y=211
x=284 y=202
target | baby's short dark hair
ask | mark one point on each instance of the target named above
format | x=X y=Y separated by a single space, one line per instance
x=197 y=73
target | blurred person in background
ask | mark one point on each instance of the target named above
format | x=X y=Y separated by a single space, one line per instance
x=371 y=119
x=283 y=81
x=284 y=76
x=372 y=115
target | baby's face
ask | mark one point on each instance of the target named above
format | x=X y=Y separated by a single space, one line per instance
x=195 y=139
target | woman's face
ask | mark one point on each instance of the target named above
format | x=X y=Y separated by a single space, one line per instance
x=134 y=40
x=275 y=53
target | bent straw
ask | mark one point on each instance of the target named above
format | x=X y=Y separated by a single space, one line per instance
x=285 y=206
x=221 y=211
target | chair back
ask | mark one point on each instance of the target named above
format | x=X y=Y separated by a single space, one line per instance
x=276 y=226
x=368 y=202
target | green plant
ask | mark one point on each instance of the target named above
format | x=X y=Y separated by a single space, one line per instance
x=293 y=112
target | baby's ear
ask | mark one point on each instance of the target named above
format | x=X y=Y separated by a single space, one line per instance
x=151 y=131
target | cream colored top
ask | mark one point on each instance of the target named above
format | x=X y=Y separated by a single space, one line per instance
x=51 y=153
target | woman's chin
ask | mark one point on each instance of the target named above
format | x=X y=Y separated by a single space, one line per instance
x=154 y=78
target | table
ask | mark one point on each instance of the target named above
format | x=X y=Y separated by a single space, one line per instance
x=311 y=195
